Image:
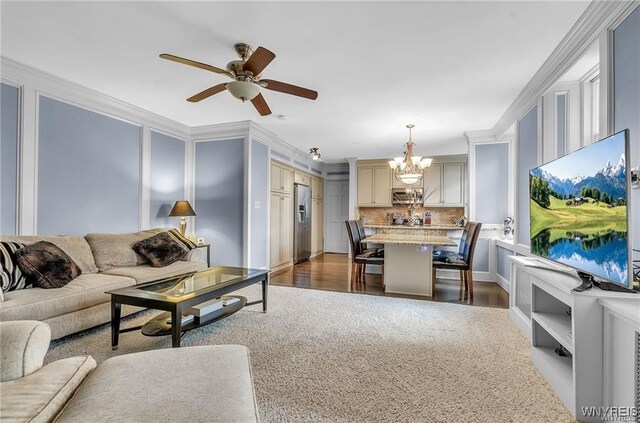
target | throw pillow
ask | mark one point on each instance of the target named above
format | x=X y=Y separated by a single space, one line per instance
x=183 y=239
x=46 y=265
x=10 y=275
x=161 y=250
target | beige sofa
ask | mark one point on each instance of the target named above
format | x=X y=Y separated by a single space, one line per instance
x=107 y=262
x=193 y=384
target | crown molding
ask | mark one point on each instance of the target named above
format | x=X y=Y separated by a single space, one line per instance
x=55 y=87
x=483 y=135
x=600 y=15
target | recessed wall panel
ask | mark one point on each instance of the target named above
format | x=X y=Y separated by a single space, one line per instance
x=9 y=157
x=88 y=171
x=166 y=179
x=491 y=182
x=527 y=159
x=259 y=203
x=219 y=198
x=626 y=103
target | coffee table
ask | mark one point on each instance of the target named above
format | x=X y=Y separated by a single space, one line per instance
x=179 y=293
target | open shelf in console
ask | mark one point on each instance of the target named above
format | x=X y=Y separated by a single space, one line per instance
x=553 y=316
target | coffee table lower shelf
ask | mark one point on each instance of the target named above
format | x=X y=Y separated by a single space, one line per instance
x=160 y=325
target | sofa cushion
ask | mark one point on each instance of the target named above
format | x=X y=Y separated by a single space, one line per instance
x=76 y=246
x=46 y=266
x=146 y=273
x=11 y=276
x=161 y=250
x=41 y=396
x=41 y=304
x=210 y=383
x=115 y=250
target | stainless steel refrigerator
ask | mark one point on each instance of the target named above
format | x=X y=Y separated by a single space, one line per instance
x=301 y=223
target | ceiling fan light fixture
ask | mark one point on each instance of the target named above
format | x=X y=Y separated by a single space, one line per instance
x=243 y=90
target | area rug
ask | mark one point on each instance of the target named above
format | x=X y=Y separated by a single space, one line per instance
x=321 y=356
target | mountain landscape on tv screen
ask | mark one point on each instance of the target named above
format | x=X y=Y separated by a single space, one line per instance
x=581 y=220
x=610 y=179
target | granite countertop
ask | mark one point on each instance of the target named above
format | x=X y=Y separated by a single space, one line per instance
x=439 y=226
x=409 y=239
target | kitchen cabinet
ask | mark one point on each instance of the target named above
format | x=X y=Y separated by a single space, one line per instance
x=281 y=178
x=374 y=184
x=447 y=182
x=281 y=229
x=317 y=188
x=317 y=227
x=302 y=178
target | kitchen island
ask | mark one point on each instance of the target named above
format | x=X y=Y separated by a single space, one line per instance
x=429 y=229
x=407 y=260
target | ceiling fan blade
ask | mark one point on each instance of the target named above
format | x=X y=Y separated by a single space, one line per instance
x=193 y=63
x=207 y=93
x=289 y=89
x=258 y=61
x=261 y=105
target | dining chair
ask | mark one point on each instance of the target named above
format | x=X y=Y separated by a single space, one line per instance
x=360 y=256
x=462 y=260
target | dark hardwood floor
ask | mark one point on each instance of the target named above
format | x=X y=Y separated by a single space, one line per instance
x=332 y=272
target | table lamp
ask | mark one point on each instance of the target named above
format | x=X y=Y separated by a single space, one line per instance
x=182 y=209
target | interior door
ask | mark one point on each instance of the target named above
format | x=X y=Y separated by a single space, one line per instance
x=336 y=207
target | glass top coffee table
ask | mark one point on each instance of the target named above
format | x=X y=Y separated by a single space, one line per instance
x=178 y=294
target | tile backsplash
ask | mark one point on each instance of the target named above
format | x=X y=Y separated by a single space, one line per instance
x=439 y=215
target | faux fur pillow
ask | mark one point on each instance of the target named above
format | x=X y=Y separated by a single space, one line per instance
x=46 y=265
x=161 y=250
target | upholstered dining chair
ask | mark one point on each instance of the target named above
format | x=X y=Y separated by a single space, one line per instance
x=360 y=256
x=462 y=260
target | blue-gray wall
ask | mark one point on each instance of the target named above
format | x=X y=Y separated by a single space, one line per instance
x=491 y=182
x=9 y=142
x=88 y=171
x=626 y=92
x=219 y=198
x=527 y=159
x=166 y=179
x=259 y=168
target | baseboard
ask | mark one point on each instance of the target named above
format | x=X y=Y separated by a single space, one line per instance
x=521 y=322
x=455 y=274
x=503 y=283
x=280 y=269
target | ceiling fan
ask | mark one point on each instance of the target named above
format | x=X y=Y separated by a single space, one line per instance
x=246 y=75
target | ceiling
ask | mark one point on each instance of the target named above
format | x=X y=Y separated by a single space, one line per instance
x=447 y=67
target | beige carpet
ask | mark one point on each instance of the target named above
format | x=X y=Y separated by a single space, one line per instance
x=334 y=357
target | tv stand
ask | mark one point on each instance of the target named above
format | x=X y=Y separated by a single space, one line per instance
x=608 y=286
x=587 y=282
x=566 y=329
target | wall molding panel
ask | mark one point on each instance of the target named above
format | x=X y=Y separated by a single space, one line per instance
x=35 y=84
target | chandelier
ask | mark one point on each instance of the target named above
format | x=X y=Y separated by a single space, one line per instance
x=409 y=169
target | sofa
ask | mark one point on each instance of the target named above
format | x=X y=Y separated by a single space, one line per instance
x=195 y=384
x=107 y=262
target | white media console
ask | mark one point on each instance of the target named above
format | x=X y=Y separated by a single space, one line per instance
x=583 y=343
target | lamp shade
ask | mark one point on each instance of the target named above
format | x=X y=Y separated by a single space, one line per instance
x=243 y=90
x=182 y=208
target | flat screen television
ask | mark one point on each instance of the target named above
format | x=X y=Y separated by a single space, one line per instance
x=579 y=210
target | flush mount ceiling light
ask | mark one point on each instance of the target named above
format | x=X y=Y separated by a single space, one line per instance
x=313 y=153
x=409 y=169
